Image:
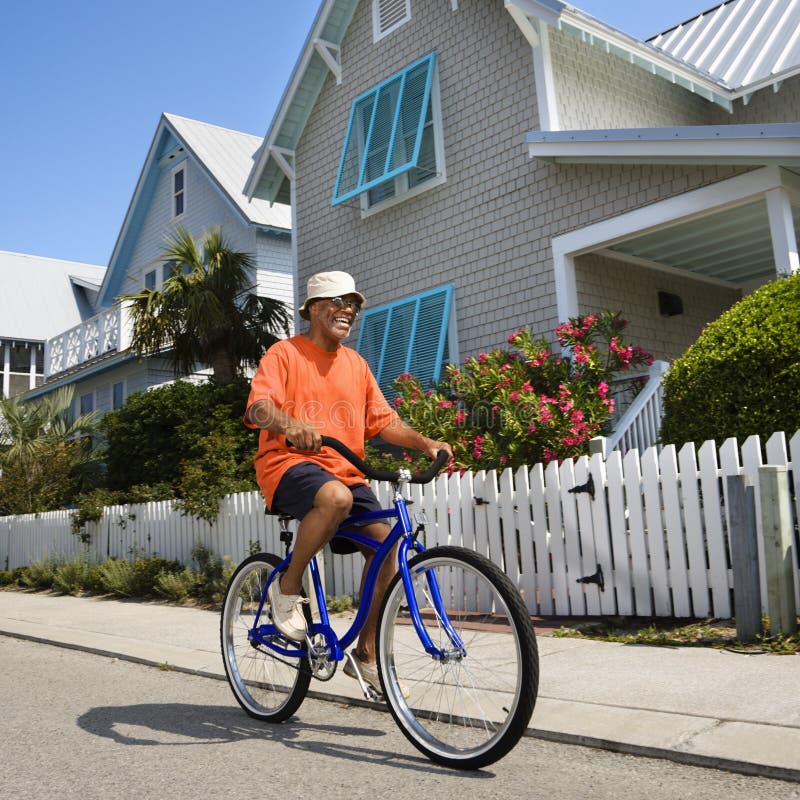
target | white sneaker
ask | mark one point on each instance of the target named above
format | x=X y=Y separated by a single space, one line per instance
x=287 y=612
x=369 y=674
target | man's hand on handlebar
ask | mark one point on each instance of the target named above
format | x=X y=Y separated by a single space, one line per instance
x=434 y=448
x=304 y=437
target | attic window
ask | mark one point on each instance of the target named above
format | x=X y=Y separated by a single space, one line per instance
x=178 y=184
x=388 y=15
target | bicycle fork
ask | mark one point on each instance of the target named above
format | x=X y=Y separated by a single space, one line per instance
x=457 y=651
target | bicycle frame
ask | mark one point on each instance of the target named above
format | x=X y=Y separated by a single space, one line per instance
x=401 y=533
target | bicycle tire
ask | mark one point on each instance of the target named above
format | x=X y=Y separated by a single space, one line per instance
x=469 y=710
x=268 y=686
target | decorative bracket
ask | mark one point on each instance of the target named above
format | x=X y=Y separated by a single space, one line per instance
x=331 y=54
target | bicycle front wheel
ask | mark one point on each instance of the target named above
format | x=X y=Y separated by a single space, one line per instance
x=268 y=686
x=470 y=703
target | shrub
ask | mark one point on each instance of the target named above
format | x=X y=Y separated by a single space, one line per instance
x=40 y=574
x=213 y=573
x=742 y=375
x=116 y=577
x=509 y=408
x=146 y=572
x=72 y=577
x=6 y=577
x=175 y=585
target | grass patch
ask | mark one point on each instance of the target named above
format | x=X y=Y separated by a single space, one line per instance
x=715 y=633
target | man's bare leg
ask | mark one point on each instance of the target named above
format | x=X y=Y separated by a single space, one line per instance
x=332 y=504
x=365 y=649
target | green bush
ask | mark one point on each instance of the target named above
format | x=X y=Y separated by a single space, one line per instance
x=213 y=573
x=176 y=586
x=509 y=408
x=6 y=577
x=40 y=574
x=742 y=375
x=155 y=432
x=116 y=577
x=72 y=577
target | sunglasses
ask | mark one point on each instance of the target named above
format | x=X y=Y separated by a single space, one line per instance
x=353 y=303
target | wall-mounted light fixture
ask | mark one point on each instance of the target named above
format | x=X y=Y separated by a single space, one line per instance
x=669 y=305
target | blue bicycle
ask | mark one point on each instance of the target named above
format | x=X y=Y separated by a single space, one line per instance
x=456 y=649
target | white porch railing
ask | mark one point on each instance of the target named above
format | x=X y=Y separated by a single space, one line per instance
x=103 y=333
x=638 y=427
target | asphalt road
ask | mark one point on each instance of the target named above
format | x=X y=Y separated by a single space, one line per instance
x=76 y=725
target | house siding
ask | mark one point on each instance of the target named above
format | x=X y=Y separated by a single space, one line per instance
x=607 y=283
x=766 y=105
x=204 y=209
x=487 y=229
x=597 y=90
x=138 y=376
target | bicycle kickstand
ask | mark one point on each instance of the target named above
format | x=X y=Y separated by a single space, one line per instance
x=369 y=692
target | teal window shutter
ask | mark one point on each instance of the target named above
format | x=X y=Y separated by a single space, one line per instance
x=409 y=335
x=385 y=131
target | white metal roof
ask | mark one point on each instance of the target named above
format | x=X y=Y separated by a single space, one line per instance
x=229 y=156
x=37 y=295
x=743 y=44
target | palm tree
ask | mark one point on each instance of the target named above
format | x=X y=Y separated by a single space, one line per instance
x=206 y=311
x=46 y=455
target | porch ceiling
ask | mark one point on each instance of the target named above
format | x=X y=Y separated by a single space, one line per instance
x=733 y=245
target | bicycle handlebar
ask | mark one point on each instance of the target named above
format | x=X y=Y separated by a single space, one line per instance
x=382 y=474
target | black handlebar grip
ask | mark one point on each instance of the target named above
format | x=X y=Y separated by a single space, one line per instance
x=381 y=474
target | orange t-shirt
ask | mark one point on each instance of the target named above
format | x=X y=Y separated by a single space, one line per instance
x=335 y=393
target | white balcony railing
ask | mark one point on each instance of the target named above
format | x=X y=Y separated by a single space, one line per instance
x=106 y=332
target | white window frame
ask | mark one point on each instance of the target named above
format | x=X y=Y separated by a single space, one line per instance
x=401 y=190
x=377 y=32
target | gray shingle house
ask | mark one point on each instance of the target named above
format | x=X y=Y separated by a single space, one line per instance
x=193 y=176
x=485 y=165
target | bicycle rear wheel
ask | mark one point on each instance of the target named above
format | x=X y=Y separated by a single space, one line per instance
x=268 y=686
x=469 y=708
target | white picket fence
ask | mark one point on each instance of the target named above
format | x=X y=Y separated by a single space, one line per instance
x=656 y=527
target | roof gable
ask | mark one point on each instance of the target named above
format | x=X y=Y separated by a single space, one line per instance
x=274 y=167
x=224 y=156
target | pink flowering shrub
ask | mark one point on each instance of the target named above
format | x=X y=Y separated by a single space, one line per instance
x=526 y=404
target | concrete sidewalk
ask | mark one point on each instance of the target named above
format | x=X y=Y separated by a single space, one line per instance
x=693 y=705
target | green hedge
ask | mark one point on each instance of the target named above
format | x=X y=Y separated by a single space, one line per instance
x=742 y=375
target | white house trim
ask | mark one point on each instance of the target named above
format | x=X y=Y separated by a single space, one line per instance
x=775 y=143
x=285 y=160
x=781 y=226
x=692 y=205
x=331 y=54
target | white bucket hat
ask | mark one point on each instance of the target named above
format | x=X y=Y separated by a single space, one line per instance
x=329 y=284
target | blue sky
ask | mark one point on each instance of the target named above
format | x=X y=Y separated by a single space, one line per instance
x=83 y=84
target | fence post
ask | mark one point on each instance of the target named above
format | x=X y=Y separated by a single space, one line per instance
x=744 y=554
x=599 y=444
x=776 y=523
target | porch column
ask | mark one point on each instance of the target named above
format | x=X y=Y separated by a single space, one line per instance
x=781 y=226
x=5 y=384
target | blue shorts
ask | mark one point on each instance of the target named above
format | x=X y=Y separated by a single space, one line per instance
x=299 y=486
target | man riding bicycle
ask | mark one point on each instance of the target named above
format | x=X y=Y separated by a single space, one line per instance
x=308 y=386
